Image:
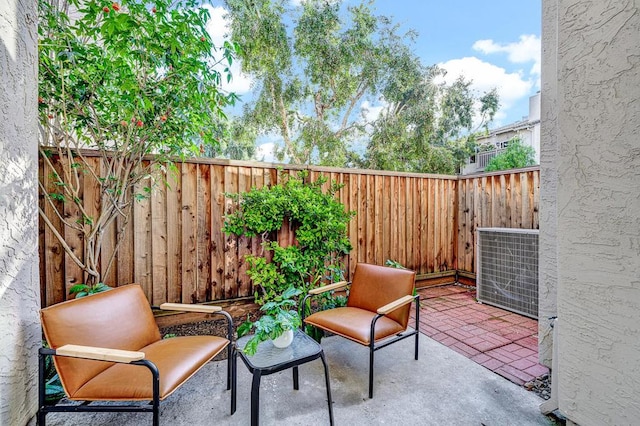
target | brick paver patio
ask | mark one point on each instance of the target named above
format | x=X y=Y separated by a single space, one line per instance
x=504 y=342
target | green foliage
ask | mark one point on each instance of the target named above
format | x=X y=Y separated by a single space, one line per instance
x=515 y=156
x=393 y=264
x=320 y=223
x=82 y=290
x=280 y=314
x=123 y=80
x=316 y=64
x=53 y=389
x=417 y=130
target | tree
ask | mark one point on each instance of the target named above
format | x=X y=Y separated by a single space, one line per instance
x=515 y=156
x=312 y=80
x=420 y=129
x=120 y=80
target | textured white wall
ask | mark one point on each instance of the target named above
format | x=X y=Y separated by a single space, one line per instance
x=19 y=286
x=548 y=264
x=597 y=89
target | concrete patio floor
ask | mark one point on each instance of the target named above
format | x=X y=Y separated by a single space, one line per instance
x=442 y=388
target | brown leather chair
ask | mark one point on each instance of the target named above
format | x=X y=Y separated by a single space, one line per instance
x=377 y=311
x=107 y=347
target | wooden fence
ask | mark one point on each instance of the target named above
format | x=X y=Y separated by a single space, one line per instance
x=175 y=249
x=494 y=200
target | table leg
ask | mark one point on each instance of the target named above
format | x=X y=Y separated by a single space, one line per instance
x=328 y=383
x=296 y=383
x=234 y=375
x=255 y=398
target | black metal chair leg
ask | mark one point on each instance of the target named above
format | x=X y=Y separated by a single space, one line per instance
x=328 y=384
x=417 y=323
x=41 y=389
x=371 y=351
x=234 y=381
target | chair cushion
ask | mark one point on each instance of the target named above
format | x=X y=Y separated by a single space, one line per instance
x=354 y=324
x=374 y=286
x=177 y=359
x=119 y=319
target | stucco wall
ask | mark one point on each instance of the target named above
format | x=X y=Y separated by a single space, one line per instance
x=597 y=88
x=19 y=286
x=548 y=267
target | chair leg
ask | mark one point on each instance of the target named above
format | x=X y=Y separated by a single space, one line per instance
x=371 y=351
x=229 y=355
x=417 y=324
x=328 y=384
x=234 y=380
x=42 y=414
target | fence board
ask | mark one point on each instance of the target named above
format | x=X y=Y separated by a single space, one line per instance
x=159 y=248
x=173 y=196
x=142 y=242
x=244 y=243
x=402 y=221
x=51 y=251
x=231 y=242
x=189 y=229
x=73 y=237
x=203 y=233
x=175 y=248
x=217 y=236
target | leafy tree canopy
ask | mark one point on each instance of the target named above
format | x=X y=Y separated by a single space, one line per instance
x=317 y=63
x=515 y=156
x=123 y=79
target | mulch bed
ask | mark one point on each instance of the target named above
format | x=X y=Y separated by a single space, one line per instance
x=217 y=327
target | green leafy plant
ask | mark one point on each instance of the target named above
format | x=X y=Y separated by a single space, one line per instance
x=320 y=224
x=515 y=156
x=53 y=389
x=280 y=315
x=119 y=81
x=393 y=264
x=82 y=290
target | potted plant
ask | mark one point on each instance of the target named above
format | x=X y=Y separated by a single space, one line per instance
x=278 y=322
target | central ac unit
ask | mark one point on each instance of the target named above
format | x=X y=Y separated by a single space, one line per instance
x=508 y=269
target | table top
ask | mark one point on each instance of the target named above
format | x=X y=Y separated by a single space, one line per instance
x=267 y=357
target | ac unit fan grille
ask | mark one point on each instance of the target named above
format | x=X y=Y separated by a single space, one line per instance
x=508 y=269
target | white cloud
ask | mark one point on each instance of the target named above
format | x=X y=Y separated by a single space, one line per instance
x=372 y=112
x=485 y=76
x=527 y=49
x=266 y=152
x=218 y=29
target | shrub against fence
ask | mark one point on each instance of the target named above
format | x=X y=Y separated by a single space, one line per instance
x=176 y=250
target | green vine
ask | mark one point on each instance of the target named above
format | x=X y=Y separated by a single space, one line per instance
x=320 y=223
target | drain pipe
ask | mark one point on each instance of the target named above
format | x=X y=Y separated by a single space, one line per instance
x=552 y=403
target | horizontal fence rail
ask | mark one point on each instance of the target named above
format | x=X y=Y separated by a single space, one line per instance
x=175 y=248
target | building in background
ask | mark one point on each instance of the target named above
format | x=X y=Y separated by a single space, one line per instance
x=528 y=130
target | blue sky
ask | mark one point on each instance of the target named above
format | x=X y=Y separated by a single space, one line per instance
x=495 y=43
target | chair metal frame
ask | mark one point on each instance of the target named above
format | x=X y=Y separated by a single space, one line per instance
x=154 y=405
x=373 y=345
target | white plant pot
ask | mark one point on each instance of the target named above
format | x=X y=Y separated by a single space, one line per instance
x=284 y=339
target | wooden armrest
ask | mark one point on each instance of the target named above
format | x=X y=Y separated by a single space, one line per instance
x=205 y=309
x=384 y=310
x=101 y=354
x=329 y=287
